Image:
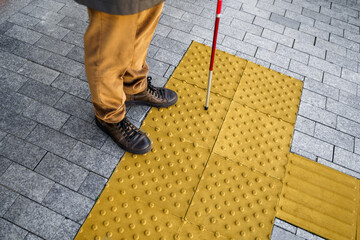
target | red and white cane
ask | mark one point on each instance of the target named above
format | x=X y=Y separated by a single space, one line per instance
x=218 y=14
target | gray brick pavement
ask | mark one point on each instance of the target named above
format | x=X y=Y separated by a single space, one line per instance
x=44 y=138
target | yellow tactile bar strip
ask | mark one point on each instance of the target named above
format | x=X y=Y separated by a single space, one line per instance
x=227 y=172
x=319 y=199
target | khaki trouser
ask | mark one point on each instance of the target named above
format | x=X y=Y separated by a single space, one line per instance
x=115 y=53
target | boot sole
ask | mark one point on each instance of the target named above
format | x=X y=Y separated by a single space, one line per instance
x=146 y=150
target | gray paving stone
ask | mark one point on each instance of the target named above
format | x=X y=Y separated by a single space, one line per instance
x=322 y=88
x=62 y=171
x=172 y=11
x=45 y=14
x=307 y=235
x=73 y=24
x=266 y=24
x=68 y=203
x=287 y=72
x=310 y=49
x=72 y=85
x=48 y=4
x=272 y=57
x=92 y=186
x=31 y=52
x=46 y=115
x=352 y=55
x=325 y=66
x=260 y=42
x=339 y=83
x=350 y=99
x=168 y=22
x=162 y=30
x=138 y=113
x=329 y=28
x=344 y=42
x=11 y=61
x=32 y=237
x=268 y=5
x=197 y=33
x=352 y=36
x=15 y=124
x=23 y=20
x=240 y=46
x=330 y=47
x=351 y=76
x=84 y=131
x=343 y=110
x=26 y=182
x=317 y=114
x=52 y=140
x=334 y=137
x=279 y=38
x=281 y=234
x=21 y=152
x=67 y=230
x=75 y=11
x=319 y=17
x=34 y=217
x=11 y=81
x=51 y=30
x=205 y=22
x=300 y=18
x=339 y=168
x=64 y=65
x=112 y=148
x=299 y=36
x=54 y=45
x=231 y=31
x=248 y=27
x=7 y=198
x=5 y=26
x=342 y=61
x=169 y=44
x=4 y=164
x=344 y=25
x=313 y=145
x=186 y=6
x=244 y=16
x=152 y=50
x=284 y=225
x=288 y=22
x=2 y=135
x=348 y=126
x=334 y=12
x=357 y=147
x=313 y=98
x=23 y=34
x=76 y=107
x=168 y=57
x=93 y=159
x=14 y=101
x=315 y=31
x=77 y=54
x=74 y=38
x=10 y=231
x=38 y=72
x=41 y=92
x=293 y=53
x=157 y=67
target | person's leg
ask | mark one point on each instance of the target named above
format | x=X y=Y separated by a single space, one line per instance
x=136 y=74
x=109 y=50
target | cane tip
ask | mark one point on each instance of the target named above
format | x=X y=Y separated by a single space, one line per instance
x=206 y=108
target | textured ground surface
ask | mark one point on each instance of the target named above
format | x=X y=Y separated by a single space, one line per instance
x=50 y=175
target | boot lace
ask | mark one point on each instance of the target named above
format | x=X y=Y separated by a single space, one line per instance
x=157 y=92
x=128 y=129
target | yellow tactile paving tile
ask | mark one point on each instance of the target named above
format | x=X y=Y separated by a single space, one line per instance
x=167 y=176
x=235 y=201
x=270 y=92
x=127 y=217
x=255 y=140
x=226 y=172
x=194 y=68
x=319 y=199
x=187 y=118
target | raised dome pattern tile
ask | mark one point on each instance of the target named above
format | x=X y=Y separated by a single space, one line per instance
x=235 y=201
x=255 y=139
x=269 y=92
x=187 y=119
x=194 y=68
